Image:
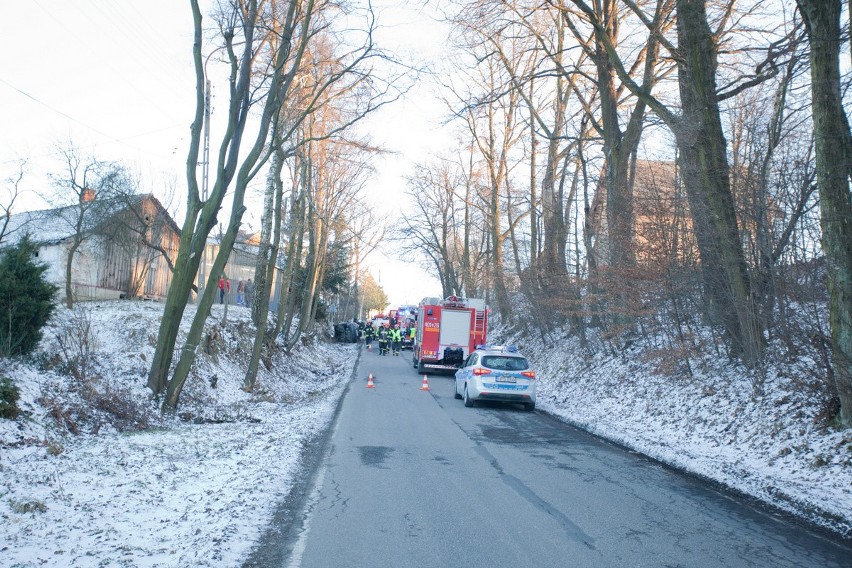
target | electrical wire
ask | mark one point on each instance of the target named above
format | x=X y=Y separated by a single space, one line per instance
x=111 y=138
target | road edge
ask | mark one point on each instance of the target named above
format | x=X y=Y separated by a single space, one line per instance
x=275 y=546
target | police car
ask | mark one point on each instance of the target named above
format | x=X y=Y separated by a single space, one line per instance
x=498 y=373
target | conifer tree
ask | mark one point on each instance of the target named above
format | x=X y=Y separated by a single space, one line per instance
x=26 y=299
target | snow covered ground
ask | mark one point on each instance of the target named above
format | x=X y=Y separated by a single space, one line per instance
x=774 y=446
x=193 y=492
x=200 y=489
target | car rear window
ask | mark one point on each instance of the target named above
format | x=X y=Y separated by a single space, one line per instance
x=503 y=363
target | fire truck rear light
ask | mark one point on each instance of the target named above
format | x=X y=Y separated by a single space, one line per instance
x=480 y=371
x=529 y=374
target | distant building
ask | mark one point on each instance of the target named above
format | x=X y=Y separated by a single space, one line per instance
x=126 y=251
x=663 y=232
x=662 y=226
x=241 y=265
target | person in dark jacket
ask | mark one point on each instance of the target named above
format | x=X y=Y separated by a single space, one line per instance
x=383 y=340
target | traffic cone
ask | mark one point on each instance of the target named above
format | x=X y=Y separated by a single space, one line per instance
x=425 y=386
x=370 y=384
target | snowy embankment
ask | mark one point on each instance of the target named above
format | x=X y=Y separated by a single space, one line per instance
x=92 y=475
x=708 y=420
x=196 y=491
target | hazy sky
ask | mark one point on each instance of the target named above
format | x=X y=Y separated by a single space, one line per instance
x=117 y=79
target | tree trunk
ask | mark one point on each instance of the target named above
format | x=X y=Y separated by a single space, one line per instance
x=200 y=219
x=183 y=277
x=273 y=183
x=703 y=154
x=833 y=168
x=286 y=310
x=181 y=372
x=267 y=273
x=69 y=263
x=617 y=150
x=310 y=283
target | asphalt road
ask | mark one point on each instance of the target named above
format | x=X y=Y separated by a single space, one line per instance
x=411 y=478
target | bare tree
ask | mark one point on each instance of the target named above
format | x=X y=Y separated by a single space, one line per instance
x=539 y=81
x=704 y=166
x=433 y=229
x=84 y=195
x=772 y=173
x=11 y=192
x=833 y=141
x=273 y=42
x=336 y=174
x=257 y=46
x=619 y=144
x=366 y=232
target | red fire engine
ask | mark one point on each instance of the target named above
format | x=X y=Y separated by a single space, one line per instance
x=447 y=331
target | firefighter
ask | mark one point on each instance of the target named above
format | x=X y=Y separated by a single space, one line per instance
x=368 y=334
x=383 y=340
x=396 y=340
x=412 y=332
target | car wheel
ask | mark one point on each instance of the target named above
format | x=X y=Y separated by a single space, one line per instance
x=456 y=390
x=468 y=402
x=529 y=406
x=420 y=367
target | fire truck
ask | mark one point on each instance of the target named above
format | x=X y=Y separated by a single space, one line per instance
x=447 y=331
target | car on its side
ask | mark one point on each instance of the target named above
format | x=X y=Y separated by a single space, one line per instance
x=497 y=373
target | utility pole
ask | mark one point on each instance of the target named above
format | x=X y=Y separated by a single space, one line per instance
x=205 y=177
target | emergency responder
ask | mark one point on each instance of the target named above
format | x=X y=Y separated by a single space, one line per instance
x=368 y=334
x=396 y=339
x=405 y=335
x=383 y=340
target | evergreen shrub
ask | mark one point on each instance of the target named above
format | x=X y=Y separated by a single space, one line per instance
x=26 y=299
x=9 y=395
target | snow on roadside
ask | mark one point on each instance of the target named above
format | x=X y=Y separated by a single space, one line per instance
x=200 y=491
x=770 y=446
x=180 y=494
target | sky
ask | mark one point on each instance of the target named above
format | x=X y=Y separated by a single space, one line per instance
x=116 y=78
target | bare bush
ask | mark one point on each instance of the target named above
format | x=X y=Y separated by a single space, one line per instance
x=122 y=410
x=78 y=343
x=116 y=408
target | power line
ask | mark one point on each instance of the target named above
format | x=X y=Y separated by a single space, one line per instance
x=128 y=27
x=92 y=128
x=56 y=110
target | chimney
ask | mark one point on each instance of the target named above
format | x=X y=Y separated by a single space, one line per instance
x=87 y=196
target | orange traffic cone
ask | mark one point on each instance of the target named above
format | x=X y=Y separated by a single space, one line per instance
x=425 y=386
x=370 y=384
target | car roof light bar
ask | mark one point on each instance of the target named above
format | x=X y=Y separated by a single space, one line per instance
x=503 y=348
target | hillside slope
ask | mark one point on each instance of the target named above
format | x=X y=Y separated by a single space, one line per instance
x=91 y=474
x=766 y=436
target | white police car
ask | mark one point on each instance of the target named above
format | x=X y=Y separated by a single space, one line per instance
x=498 y=373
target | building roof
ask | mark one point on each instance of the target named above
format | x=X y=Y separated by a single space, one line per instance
x=52 y=226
